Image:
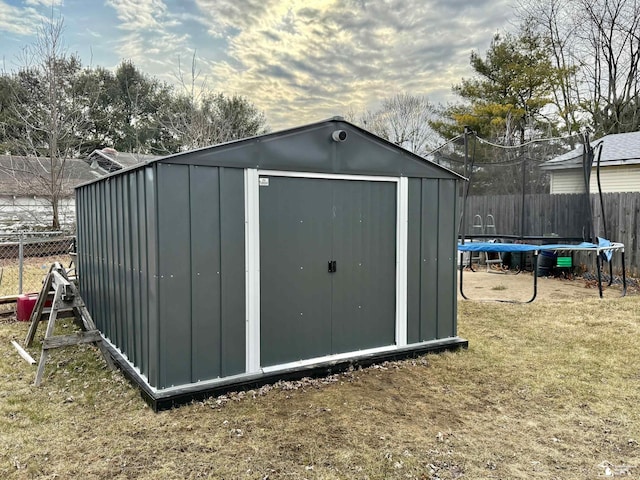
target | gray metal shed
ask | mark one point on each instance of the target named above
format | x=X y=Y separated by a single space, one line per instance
x=288 y=254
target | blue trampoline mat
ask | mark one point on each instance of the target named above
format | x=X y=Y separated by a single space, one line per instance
x=521 y=247
x=605 y=246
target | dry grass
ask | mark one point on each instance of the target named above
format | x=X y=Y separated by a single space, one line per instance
x=34 y=270
x=546 y=390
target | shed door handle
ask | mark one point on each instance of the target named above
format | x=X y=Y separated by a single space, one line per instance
x=332 y=266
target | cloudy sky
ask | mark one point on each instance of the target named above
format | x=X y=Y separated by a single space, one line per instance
x=299 y=61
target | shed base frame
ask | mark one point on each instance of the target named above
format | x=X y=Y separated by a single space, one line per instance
x=175 y=396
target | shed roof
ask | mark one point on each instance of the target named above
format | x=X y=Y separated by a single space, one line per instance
x=617 y=149
x=311 y=148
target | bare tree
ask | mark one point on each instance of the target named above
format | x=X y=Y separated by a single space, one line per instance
x=595 y=45
x=555 y=20
x=185 y=118
x=613 y=32
x=49 y=118
x=197 y=117
x=404 y=120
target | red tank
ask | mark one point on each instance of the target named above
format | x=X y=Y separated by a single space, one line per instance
x=25 y=305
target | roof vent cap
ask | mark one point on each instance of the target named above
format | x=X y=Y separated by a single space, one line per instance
x=339 y=135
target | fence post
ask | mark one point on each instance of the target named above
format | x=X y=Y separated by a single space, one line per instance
x=20 y=261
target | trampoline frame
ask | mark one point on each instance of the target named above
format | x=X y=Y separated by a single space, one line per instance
x=604 y=247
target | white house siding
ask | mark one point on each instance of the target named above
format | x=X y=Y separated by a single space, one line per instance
x=612 y=179
x=28 y=213
x=567 y=181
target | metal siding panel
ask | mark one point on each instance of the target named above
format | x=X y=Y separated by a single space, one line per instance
x=116 y=206
x=96 y=232
x=81 y=240
x=446 y=258
x=86 y=249
x=295 y=246
x=310 y=149
x=112 y=300
x=174 y=274
x=233 y=271
x=414 y=260
x=80 y=233
x=80 y=236
x=153 y=297
x=97 y=228
x=205 y=273
x=134 y=268
x=89 y=207
x=127 y=270
x=102 y=320
x=111 y=256
x=429 y=264
x=119 y=248
x=104 y=261
x=109 y=260
x=97 y=311
x=144 y=278
x=105 y=267
x=364 y=248
x=87 y=269
x=360 y=154
x=119 y=244
x=456 y=230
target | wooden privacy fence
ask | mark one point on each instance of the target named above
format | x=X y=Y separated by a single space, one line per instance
x=563 y=216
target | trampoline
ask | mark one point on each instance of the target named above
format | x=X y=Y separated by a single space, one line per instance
x=509 y=184
x=604 y=250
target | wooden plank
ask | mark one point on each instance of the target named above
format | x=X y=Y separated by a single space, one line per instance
x=49 y=333
x=23 y=353
x=59 y=279
x=37 y=310
x=9 y=299
x=77 y=338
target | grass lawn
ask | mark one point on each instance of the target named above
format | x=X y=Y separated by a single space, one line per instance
x=34 y=270
x=546 y=390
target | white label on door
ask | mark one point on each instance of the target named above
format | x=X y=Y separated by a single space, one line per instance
x=263 y=181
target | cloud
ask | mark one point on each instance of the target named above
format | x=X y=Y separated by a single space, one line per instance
x=153 y=38
x=136 y=15
x=228 y=16
x=19 y=20
x=45 y=3
x=297 y=60
x=305 y=60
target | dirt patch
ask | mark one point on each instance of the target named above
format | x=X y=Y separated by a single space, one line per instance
x=497 y=285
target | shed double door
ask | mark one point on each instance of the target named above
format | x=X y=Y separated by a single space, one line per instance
x=327 y=267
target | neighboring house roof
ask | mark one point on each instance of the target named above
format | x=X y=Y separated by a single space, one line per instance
x=617 y=149
x=110 y=160
x=22 y=176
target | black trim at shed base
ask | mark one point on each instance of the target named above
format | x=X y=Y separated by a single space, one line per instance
x=179 y=396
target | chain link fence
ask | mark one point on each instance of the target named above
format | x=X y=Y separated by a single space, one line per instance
x=25 y=258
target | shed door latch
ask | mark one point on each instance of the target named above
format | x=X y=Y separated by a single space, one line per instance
x=332 y=266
